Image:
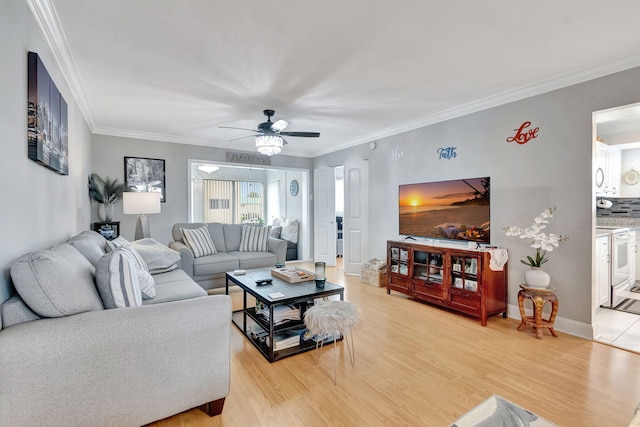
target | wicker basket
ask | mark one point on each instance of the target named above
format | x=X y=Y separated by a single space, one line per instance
x=374 y=273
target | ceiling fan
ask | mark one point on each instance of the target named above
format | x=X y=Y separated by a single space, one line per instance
x=269 y=135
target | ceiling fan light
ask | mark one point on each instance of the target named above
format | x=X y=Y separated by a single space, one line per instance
x=269 y=144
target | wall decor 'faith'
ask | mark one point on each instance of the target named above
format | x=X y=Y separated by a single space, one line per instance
x=47 y=130
x=524 y=134
x=447 y=153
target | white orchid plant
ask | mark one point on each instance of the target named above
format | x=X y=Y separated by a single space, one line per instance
x=542 y=242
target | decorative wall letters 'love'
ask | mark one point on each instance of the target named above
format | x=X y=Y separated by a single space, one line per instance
x=523 y=134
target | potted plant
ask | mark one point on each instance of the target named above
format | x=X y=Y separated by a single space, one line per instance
x=542 y=242
x=106 y=192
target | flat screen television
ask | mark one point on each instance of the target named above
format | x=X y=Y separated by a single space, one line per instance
x=452 y=210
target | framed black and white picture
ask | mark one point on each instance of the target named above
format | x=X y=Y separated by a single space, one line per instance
x=144 y=174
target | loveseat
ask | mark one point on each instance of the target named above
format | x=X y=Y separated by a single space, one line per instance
x=228 y=255
x=66 y=360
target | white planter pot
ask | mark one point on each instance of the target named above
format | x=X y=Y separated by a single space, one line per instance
x=105 y=211
x=537 y=278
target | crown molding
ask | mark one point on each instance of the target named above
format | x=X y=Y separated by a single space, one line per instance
x=175 y=139
x=47 y=19
x=565 y=80
x=125 y=133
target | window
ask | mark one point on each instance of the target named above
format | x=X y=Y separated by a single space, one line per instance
x=233 y=202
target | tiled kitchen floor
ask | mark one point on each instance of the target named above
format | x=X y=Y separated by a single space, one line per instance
x=619 y=329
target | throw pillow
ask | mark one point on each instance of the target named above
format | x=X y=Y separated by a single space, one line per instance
x=198 y=240
x=117 y=280
x=290 y=230
x=275 y=232
x=254 y=238
x=116 y=243
x=137 y=258
x=89 y=246
x=145 y=281
x=56 y=282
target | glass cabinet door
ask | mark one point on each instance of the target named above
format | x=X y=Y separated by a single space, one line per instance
x=464 y=273
x=427 y=266
x=399 y=263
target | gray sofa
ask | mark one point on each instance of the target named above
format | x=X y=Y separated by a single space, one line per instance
x=209 y=271
x=83 y=365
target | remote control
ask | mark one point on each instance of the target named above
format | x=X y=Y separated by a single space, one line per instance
x=263 y=282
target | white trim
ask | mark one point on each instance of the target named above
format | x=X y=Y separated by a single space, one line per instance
x=186 y=140
x=568 y=79
x=561 y=324
x=47 y=19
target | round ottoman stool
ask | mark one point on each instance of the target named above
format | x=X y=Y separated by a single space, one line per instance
x=333 y=318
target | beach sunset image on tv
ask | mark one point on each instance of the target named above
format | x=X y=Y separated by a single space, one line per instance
x=456 y=210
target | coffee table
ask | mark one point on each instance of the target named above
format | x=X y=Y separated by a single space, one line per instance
x=261 y=330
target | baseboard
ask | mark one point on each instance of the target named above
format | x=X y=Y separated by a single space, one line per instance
x=561 y=324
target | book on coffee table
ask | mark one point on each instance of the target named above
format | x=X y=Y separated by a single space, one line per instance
x=292 y=274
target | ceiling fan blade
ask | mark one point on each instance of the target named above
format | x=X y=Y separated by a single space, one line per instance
x=229 y=127
x=243 y=137
x=280 y=125
x=304 y=134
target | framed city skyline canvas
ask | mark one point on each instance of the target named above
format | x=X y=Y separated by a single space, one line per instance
x=47 y=127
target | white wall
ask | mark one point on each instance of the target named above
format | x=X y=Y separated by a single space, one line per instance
x=555 y=169
x=38 y=207
x=630 y=159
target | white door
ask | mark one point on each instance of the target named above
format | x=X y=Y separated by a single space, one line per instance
x=355 y=226
x=324 y=215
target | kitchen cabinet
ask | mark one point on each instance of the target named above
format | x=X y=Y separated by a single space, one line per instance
x=603 y=281
x=608 y=164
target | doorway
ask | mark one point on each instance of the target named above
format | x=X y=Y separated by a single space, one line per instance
x=616 y=148
x=354 y=186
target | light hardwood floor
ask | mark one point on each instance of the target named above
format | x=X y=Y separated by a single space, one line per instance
x=420 y=365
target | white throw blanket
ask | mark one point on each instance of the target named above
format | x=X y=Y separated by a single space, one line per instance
x=158 y=257
x=498 y=258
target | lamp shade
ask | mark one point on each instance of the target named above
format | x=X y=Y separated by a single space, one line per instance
x=141 y=203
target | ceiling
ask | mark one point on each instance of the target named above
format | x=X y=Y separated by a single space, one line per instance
x=355 y=70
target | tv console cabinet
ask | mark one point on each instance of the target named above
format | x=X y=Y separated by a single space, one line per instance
x=458 y=279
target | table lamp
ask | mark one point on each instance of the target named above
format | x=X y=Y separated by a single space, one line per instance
x=142 y=204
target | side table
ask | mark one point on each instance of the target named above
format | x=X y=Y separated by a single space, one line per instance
x=539 y=297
